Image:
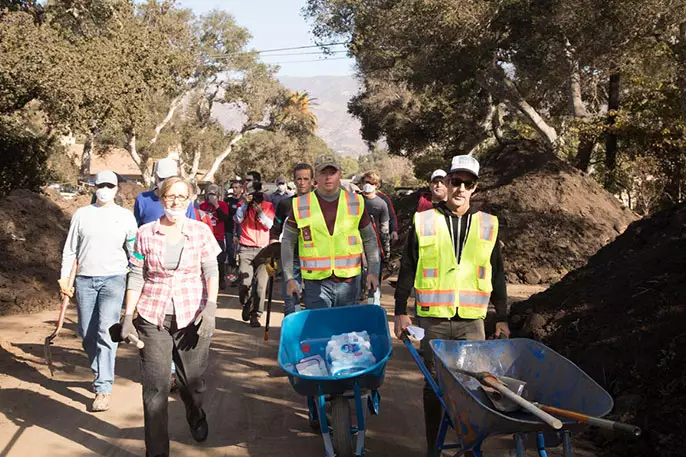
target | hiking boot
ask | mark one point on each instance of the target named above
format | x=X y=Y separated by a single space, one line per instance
x=254 y=321
x=200 y=429
x=101 y=402
x=245 y=313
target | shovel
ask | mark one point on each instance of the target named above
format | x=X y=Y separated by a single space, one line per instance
x=504 y=404
x=115 y=334
x=491 y=381
x=60 y=321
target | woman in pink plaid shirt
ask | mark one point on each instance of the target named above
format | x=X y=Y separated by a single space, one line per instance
x=173 y=286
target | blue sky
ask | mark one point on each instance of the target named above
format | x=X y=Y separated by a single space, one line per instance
x=276 y=24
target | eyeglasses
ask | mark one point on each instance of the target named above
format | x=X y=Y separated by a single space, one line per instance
x=212 y=195
x=105 y=184
x=457 y=182
x=179 y=198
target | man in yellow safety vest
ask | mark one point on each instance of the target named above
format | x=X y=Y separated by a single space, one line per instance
x=331 y=230
x=452 y=259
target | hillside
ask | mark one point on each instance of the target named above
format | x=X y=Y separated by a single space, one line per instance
x=336 y=127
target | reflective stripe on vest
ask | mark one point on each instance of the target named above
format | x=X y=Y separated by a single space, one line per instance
x=444 y=288
x=323 y=254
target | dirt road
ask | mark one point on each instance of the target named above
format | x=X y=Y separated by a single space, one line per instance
x=251 y=408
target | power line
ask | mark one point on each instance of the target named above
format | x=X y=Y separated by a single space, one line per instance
x=302 y=47
x=307 y=61
x=305 y=54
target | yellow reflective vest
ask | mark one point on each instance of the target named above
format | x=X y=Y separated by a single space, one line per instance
x=444 y=288
x=322 y=254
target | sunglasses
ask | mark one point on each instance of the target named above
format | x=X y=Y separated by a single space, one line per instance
x=106 y=184
x=457 y=182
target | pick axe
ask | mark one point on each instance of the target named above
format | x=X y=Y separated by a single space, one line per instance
x=60 y=321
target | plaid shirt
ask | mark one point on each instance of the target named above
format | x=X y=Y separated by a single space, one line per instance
x=185 y=284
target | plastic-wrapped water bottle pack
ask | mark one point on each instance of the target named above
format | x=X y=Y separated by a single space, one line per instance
x=349 y=353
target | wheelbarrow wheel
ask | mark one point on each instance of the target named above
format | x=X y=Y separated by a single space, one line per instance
x=340 y=421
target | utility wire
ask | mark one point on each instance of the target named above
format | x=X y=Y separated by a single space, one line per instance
x=305 y=54
x=307 y=61
x=302 y=47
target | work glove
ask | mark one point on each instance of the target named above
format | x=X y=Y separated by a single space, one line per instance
x=206 y=320
x=65 y=289
x=271 y=269
x=127 y=327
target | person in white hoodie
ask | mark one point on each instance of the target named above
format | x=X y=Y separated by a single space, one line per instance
x=100 y=239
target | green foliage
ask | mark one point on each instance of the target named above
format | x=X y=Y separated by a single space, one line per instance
x=394 y=170
x=23 y=157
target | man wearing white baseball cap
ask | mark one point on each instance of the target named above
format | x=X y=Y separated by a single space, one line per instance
x=437 y=194
x=101 y=236
x=452 y=259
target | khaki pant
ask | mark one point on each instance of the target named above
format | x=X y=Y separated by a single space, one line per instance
x=442 y=329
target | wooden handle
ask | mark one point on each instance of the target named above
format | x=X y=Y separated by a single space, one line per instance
x=492 y=381
x=134 y=339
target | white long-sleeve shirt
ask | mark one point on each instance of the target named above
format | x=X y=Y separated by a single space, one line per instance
x=100 y=238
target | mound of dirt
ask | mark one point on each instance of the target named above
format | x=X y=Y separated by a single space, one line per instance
x=33 y=228
x=621 y=318
x=553 y=218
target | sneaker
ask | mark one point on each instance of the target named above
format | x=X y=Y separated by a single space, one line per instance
x=245 y=313
x=200 y=429
x=101 y=402
x=254 y=321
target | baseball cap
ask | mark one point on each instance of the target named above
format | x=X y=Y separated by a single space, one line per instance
x=106 y=177
x=166 y=168
x=280 y=180
x=325 y=161
x=212 y=189
x=437 y=174
x=465 y=163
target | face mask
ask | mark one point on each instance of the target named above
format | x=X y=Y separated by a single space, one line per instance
x=281 y=188
x=175 y=215
x=368 y=188
x=105 y=195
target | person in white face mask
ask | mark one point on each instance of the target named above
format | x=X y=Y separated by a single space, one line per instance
x=99 y=242
x=176 y=300
x=378 y=212
x=280 y=193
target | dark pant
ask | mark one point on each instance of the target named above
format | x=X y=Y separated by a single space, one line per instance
x=221 y=261
x=189 y=353
x=442 y=329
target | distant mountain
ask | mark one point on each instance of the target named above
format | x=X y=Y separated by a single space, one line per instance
x=338 y=128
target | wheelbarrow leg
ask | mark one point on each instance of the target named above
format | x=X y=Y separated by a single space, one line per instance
x=312 y=413
x=540 y=444
x=442 y=432
x=520 y=450
x=567 y=443
x=359 y=451
x=324 y=425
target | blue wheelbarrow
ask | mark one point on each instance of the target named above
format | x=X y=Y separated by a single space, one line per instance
x=306 y=333
x=476 y=412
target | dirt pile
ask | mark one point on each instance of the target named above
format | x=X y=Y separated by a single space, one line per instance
x=553 y=218
x=33 y=228
x=621 y=318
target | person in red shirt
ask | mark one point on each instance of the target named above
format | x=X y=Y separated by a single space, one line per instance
x=438 y=192
x=255 y=217
x=218 y=212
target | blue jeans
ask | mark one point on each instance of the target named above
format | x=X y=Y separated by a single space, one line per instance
x=328 y=293
x=289 y=301
x=99 y=301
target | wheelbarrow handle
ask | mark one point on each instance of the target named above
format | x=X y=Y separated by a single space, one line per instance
x=491 y=381
x=425 y=371
x=592 y=420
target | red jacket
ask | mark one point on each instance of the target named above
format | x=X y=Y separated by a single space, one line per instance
x=254 y=232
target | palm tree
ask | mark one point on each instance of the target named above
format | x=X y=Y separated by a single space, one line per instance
x=297 y=113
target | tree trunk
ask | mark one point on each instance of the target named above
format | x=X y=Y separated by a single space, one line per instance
x=578 y=110
x=611 y=138
x=85 y=170
x=498 y=123
x=209 y=176
x=141 y=163
x=196 y=164
x=505 y=89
